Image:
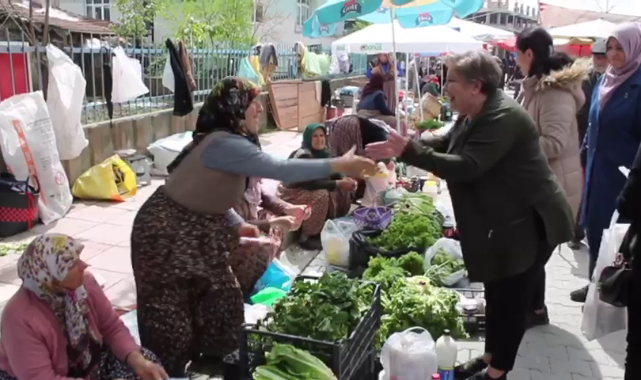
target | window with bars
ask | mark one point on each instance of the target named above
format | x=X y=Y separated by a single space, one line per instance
x=259 y=13
x=98 y=9
x=302 y=11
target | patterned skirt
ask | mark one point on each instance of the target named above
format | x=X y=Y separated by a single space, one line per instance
x=189 y=301
x=324 y=204
x=111 y=368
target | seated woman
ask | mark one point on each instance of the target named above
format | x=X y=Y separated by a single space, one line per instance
x=373 y=103
x=327 y=198
x=61 y=325
x=273 y=217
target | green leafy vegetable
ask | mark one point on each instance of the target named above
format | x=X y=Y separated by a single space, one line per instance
x=286 y=362
x=386 y=271
x=442 y=266
x=409 y=230
x=10 y=248
x=429 y=125
x=328 y=309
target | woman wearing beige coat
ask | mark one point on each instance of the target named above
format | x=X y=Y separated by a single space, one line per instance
x=552 y=95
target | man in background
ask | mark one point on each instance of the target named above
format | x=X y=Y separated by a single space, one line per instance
x=599 y=64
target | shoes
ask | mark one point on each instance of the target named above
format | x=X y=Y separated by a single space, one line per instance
x=534 y=320
x=579 y=295
x=484 y=376
x=310 y=244
x=468 y=369
x=575 y=245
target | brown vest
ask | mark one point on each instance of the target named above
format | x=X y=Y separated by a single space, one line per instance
x=201 y=189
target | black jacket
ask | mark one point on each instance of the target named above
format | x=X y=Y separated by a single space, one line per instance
x=629 y=207
x=499 y=180
x=183 y=103
x=584 y=113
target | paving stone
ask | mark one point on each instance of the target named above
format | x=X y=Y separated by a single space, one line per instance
x=581 y=367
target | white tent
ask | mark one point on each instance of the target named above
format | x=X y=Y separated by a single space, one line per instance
x=591 y=29
x=378 y=38
x=478 y=31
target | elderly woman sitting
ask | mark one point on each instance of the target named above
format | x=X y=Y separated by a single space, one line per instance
x=509 y=208
x=61 y=325
x=327 y=198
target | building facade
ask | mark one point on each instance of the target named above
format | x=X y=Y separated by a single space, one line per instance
x=512 y=15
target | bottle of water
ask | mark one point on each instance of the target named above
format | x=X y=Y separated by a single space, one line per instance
x=446 y=352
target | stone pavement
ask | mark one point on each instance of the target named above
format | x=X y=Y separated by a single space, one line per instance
x=555 y=352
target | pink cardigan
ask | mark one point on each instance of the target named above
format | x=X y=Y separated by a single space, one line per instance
x=32 y=344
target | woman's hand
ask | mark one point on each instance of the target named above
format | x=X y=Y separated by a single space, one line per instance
x=299 y=212
x=146 y=369
x=346 y=184
x=248 y=230
x=353 y=166
x=393 y=147
x=285 y=223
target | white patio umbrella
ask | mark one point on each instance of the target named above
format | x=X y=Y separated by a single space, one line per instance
x=478 y=31
x=591 y=29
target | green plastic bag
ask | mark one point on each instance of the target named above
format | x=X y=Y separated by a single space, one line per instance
x=268 y=296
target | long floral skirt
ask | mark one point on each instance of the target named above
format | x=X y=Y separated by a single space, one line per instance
x=324 y=204
x=111 y=368
x=189 y=301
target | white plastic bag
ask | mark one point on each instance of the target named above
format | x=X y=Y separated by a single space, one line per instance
x=409 y=355
x=452 y=248
x=166 y=150
x=168 y=79
x=600 y=318
x=127 y=80
x=28 y=145
x=65 y=94
x=335 y=240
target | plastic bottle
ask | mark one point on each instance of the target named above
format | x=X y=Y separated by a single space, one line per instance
x=446 y=352
x=436 y=376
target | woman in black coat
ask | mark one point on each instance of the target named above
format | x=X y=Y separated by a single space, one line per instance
x=629 y=206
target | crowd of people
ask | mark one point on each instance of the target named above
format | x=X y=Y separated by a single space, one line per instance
x=524 y=175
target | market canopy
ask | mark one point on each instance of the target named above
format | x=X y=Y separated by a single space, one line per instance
x=478 y=31
x=591 y=29
x=378 y=38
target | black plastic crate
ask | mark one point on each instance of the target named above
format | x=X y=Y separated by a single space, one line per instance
x=473 y=322
x=344 y=357
x=367 y=370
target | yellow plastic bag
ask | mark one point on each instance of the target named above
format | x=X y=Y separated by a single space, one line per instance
x=111 y=180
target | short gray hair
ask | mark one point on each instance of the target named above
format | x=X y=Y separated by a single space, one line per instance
x=479 y=66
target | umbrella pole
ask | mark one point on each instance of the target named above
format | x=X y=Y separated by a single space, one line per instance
x=407 y=85
x=418 y=87
x=398 y=116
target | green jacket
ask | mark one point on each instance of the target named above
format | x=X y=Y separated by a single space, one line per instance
x=497 y=177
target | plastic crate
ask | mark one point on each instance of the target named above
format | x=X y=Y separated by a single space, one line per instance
x=367 y=369
x=344 y=357
x=473 y=322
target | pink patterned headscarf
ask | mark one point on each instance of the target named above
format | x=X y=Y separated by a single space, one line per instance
x=629 y=36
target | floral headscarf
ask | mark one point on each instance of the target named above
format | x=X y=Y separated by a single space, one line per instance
x=224 y=110
x=47 y=261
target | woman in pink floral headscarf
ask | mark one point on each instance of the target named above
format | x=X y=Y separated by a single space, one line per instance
x=61 y=324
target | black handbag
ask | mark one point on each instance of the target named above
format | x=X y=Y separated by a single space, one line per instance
x=18 y=205
x=614 y=282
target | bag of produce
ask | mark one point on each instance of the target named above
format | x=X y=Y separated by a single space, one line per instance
x=361 y=250
x=276 y=276
x=409 y=355
x=444 y=262
x=335 y=238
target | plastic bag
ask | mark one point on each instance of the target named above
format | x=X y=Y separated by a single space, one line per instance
x=452 y=248
x=111 y=180
x=409 y=355
x=276 y=276
x=600 y=318
x=167 y=149
x=127 y=80
x=168 y=79
x=65 y=94
x=335 y=240
x=28 y=145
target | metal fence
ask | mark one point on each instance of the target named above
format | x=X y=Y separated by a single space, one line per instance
x=23 y=69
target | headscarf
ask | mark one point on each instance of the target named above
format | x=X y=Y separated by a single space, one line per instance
x=308 y=135
x=629 y=36
x=224 y=110
x=376 y=83
x=45 y=262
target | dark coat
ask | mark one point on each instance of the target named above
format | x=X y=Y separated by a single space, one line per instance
x=584 y=112
x=499 y=179
x=629 y=206
x=183 y=103
x=612 y=140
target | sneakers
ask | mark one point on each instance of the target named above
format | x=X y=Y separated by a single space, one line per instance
x=579 y=295
x=535 y=320
x=484 y=376
x=468 y=369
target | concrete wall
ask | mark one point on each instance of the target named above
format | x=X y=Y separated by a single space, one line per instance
x=137 y=132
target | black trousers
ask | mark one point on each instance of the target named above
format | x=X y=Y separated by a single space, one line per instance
x=633 y=359
x=508 y=302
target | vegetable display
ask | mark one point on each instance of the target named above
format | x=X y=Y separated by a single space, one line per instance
x=387 y=271
x=328 y=309
x=429 y=125
x=442 y=266
x=409 y=230
x=285 y=362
